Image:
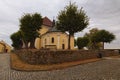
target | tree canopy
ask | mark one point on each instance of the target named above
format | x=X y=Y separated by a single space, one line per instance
x=72 y=20
x=16 y=40
x=93 y=44
x=82 y=42
x=29 y=26
x=103 y=36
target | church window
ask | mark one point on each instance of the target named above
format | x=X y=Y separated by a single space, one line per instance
x=52 y=40
x=45 y=41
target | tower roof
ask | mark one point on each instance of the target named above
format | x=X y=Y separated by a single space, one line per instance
x=47 y=22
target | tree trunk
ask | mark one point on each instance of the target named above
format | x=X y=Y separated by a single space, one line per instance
x=69 y=37
x=20 y=44
x=26 y=44
x=94 y=46
x=32 y=44
x=103 y=45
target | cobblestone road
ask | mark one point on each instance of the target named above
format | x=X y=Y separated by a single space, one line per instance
x=101 y=70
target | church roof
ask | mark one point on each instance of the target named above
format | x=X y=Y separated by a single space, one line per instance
x=54 y=29
x=47 y=22
x=51 y=24
x=4 y=43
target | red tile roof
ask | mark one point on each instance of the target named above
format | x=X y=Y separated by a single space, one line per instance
x=47 y=22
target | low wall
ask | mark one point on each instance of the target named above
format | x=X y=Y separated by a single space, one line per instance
x=60 y=56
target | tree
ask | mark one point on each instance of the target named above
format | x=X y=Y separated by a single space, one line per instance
x=103 y=36
x=92 y=44
x=16 y=40
x=72 y=20
x=29 y=26
x=82 y=42
x=75 y=42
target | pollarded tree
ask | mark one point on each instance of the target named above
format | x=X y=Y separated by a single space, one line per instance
x=29 y=26
x=16 y=40
x=25 y=27
x=72 y=20
x=92 y=44
x=103 y=36
x=75 y=42
x=82 y=42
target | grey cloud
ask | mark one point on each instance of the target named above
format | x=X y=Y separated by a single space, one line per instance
x=104 y=14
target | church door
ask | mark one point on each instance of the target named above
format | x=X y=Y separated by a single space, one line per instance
x=63 y=46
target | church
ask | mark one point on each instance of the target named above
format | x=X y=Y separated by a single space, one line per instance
x=52 y=38
x=4 y=47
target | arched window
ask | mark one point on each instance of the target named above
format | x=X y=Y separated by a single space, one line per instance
x=52 y=40
x=45 y=41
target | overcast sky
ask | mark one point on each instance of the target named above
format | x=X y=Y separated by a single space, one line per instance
x=104 y=14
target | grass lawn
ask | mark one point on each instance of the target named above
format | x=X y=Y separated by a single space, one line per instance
x=17 y=64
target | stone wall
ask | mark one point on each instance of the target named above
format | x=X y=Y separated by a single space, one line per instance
x=60 y=56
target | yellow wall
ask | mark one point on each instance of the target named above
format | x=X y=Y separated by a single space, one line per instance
x=4 y=47
x=1 y=48
x=8 y=48
x=38 y=43
x=59 y=39
x=44 y=29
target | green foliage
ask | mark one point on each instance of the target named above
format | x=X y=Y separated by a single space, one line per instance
x=16 y=40
x=103 y=36
x=82 y=42
x=72 y=20
x=98 y=37
x=92 y=43
x=29 y=26
x=75 y=42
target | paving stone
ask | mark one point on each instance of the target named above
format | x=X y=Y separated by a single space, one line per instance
x=107 y=69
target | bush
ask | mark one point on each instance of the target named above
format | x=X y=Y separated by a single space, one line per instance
x=82 y=42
